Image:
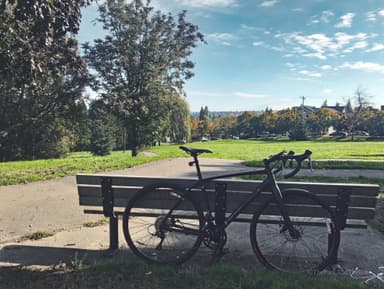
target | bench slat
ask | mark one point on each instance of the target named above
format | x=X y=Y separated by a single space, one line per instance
x=353 y=212
x=240 y=185
x=351 y=223
x=232 y=196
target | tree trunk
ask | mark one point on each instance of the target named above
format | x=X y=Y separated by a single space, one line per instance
x=134 y=151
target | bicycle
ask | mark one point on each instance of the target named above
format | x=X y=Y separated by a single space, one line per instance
x=173 y=232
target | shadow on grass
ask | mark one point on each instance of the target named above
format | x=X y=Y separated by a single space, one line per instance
x=367 y=155
x=47 y=256
x=127 y=273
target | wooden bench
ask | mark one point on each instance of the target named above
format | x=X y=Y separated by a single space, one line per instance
x=109 y=194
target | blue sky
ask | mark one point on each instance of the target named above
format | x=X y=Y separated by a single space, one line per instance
x=270 y=53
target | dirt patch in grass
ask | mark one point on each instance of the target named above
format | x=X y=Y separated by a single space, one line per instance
x=40 y=235
x=97 y=223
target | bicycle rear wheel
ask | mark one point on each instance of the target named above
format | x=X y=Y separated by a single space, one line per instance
x=307 y=252
x=163 y=225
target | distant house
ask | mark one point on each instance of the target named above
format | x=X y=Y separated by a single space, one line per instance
x=339 y=109
x=307 y=109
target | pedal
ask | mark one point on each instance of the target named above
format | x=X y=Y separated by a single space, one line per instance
x=217 y=254
x=220 y=252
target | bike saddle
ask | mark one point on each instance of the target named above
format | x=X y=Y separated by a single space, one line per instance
x=193 y=151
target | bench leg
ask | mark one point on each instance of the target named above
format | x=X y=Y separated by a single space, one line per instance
x=113 y=233
x=333 y=257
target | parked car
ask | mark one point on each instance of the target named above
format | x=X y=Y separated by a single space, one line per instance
x=361 y=133
x=339 y=133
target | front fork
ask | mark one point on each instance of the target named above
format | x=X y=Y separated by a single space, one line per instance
x=287 y=225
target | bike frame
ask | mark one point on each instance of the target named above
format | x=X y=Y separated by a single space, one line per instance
x=268 y=182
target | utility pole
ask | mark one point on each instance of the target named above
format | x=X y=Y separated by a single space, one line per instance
x=303 y=98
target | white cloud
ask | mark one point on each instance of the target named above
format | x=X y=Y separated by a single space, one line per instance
x=221 y=38
x=345 y=21
x=250 y=95
x=290 y=65
x=277 y=48
x=376 y=47
x=371 y=16
x=321 y=46
x=363 y=66
x=327 y=91
x=326 y=67
x=315 y=42
x=381 y=12
x=269 y=3
x=357 y=45
x=322 y=18
x=258 y=43
x=208 y=3
x=310 y=74
x=343 y=39
x=206 y=93
x=214 y=94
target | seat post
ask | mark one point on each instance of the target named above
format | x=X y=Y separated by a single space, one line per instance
x=196 y=160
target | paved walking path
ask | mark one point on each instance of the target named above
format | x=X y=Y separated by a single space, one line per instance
x=53 y=205
x=343 y=173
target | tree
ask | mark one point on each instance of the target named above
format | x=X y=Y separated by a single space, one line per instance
x=204 y=122
x=322 y=119
x=144 y=58
x=324 y=104
x=269 y=119
x=286 y=119
x=41 y=75
x=223 y=126
x=179 y=120
x=355 y=116
x=103 y=129
x=299 y=129
x=243 y=126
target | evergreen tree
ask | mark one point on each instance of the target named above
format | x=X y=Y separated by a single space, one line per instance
x=102 y=128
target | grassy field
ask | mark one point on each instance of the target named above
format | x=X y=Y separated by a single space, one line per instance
x=252 y=152
x=121 y=274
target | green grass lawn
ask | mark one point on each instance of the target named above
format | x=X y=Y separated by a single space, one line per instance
x=249 y=150
x=123 y=274
x=366 y=155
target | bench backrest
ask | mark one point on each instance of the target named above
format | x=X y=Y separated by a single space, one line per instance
x=360 y=198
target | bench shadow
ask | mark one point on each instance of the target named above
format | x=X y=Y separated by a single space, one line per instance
x=47 y=256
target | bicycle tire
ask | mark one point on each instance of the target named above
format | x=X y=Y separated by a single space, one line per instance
x=159 y=235
x=307 y=253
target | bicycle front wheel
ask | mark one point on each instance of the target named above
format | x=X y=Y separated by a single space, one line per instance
x=163 y=225
x=308 y=249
